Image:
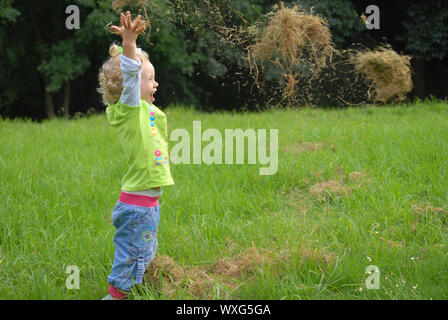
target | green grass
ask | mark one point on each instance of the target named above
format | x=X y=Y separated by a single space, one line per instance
x=59 y=181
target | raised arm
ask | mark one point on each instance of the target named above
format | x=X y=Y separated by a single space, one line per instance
x=129 y=31
x=130 y=65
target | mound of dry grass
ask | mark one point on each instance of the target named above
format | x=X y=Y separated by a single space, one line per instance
x=291 y=38
x=343 y=185
x=168 y=276
x=331 y=186
x=389 y=72
x=245 y=263
x=297 y=147
x=319 y=256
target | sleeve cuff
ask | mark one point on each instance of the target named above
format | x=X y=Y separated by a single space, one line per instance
x=129 y=65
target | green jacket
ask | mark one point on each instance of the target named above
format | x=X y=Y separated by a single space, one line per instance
x=143 y=134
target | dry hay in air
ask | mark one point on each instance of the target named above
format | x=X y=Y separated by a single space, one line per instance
x=389 y=72
x=136 y=7
x=292 y=38
x=190 y=14
x=118 y=5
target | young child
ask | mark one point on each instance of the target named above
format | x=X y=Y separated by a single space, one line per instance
x=127 y=84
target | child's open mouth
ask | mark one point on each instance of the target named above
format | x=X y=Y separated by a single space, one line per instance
x=152 y=97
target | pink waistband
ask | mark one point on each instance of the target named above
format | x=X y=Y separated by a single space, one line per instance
x=138 y=200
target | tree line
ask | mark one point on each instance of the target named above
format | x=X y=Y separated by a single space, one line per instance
x=50 y=70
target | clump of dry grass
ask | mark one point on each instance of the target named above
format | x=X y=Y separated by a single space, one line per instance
x=359 y=178
x=252 y=259
x=138 y=7
x=318 y=256
x=245 y=263
x=343 y=185
x=331 y=186
x=306 y=146
x=428 y=209
x=168 y=276
x=291 y=38
x=394 y=244
x=389 y=72
x=118 y=5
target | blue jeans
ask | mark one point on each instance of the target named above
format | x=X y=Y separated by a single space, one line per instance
x=135 y=243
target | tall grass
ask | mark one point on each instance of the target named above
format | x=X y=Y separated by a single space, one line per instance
x=59 y=181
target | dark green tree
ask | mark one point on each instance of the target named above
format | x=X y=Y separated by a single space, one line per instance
x=426 y=36
x=343 y=20
x=413 y=27
x=37 y=39
x=49 y=70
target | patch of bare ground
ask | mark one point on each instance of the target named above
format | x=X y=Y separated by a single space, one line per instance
x=342 y=185
x=359 y=178
x=331 y=186
x=394 y=244
x=297 y=147
x=252 y=259
x=418 y=209
x=246 y=263
x=300 y=200
x=296 y=200
x=318 y=256
x=426 y=212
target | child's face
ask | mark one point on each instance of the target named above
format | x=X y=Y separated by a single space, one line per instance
x=148 y=84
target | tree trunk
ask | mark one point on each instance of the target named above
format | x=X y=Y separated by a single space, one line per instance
x=49 y=106
x=419 y=78
x=66 y=105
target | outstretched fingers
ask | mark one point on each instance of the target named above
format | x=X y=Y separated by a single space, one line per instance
x=137 y=26
x=117 y=30
x=136 y=23
x=140 y=29
x=127 y=20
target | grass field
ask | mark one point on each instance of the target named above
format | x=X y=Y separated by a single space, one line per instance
x=354 y=187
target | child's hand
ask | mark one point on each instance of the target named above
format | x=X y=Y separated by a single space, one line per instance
x=129 y=31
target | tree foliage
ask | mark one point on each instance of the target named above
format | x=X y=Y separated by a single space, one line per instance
x=198 y=48
x=427 y=30
x=341 y=15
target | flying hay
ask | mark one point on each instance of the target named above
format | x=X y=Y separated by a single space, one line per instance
x=290 y=39
x=138 y=6
x=389 y=72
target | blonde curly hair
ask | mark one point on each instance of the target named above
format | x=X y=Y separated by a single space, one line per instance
x=110 y=76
